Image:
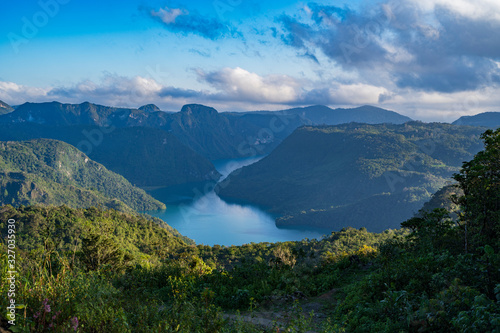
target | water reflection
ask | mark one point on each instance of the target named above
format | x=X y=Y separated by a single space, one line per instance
x=210 y=220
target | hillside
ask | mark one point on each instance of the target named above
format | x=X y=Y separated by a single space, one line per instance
x=51 y=172
x=5 y=108
x=144 y=156
x=486 y=119
x=323 y=115
x=443 y=199
x=358 y=175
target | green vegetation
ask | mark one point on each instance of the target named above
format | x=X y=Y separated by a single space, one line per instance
x=116 y=272
x=357 y=175
x=144 y=156
x=54 y=173
x=89 y=270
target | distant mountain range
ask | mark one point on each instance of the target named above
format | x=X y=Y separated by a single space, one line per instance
x=486 y=119
x=323 y=115
x=212 y=134
x=5 y=108
x=52 y=172
x=358 y=175
x=154 y=148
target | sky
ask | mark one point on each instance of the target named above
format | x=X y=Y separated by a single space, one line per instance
x=432 y=60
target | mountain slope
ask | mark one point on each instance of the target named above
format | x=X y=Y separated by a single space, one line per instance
x=145 y=156
x=443 y=199
x=5 y=108
x=54 y=173
x=486 y=119
x=358 y=175
x=323 y=115
x=55 y=113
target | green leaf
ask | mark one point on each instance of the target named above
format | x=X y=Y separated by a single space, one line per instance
x=489 y=250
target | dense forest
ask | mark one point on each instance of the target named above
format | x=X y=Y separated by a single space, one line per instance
x=89 y=270
x=358 y=175
x=51 y=172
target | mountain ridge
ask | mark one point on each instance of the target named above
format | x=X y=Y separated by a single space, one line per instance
x=489 y=119
x=210 y=133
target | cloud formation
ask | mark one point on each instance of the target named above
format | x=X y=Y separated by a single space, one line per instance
x=179 y=20
x=444 y=46
x=240 y=89
x=240 y=84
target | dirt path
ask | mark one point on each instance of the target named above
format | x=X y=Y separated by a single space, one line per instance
x=284 y=313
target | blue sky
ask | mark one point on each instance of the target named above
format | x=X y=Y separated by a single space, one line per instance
x=433 y=60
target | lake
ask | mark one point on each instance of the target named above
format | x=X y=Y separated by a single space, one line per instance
x=207 y=219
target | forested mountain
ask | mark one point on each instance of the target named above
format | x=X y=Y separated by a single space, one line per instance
x=145 y=156
x=201 y=128
x=486 y=119
x=323 y=115
x=5 y=108
x=52 y=172
x=357 y=175
x=212 y=134
x=55 y=113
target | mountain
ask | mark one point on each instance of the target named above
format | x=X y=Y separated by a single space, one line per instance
x=486 y=119
x=5 y=108
x=52 y=172
x=145 y=156
x=357 y=175
x=323 y=115
x=55 y=113
x=201 y=128
x=280 y=124
x=211 y=134
x=150 y=108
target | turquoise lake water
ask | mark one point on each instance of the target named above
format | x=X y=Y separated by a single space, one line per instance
x=207 y=219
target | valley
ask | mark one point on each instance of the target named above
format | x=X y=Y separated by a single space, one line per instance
x=250 y=166
x=261 y=221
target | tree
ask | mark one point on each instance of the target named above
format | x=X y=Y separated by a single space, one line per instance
x=480 y=181
x=98 y=251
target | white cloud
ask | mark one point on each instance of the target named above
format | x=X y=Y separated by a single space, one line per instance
x=239 y=89
x=168 y=15
x=475 y=9
x=240 y=83
x=444 y=107
x=357 y=94
x=13 y=93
